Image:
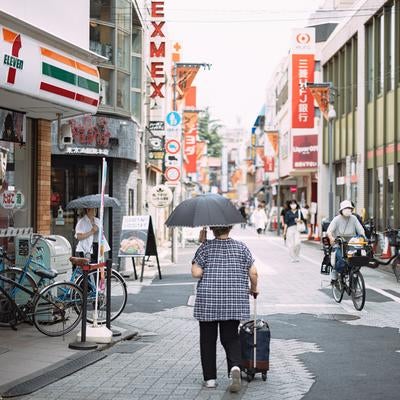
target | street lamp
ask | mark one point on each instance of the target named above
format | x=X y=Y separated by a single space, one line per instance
x=331 y=118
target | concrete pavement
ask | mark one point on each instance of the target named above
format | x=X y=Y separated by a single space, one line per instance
x=308 y=328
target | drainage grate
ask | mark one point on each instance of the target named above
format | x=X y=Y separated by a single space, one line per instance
x=50 y=376
x=338 y=317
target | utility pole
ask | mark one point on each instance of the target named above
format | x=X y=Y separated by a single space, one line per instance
x=278 y=194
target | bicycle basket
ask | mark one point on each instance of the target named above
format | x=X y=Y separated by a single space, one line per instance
x=359 y=261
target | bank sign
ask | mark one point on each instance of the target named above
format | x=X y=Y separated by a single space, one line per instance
x=32 y=68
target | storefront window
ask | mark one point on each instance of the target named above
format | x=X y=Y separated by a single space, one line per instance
x=392 y=48
x=136 y=75
x=123 y=90
x=390 y=196
x=136 y=105
x=123 y=12
x=136 y=40
x=73 y=177
x=381 y=54
x=102 y=40
x=370 y=61
x=123 y=51
x=101 y=10
x=17 y=180
x=106 y=86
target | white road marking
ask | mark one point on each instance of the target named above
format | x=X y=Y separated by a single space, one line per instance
x=384 y=293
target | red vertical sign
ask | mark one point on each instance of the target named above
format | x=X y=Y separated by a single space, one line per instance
x=302 y=99
x=189 y=141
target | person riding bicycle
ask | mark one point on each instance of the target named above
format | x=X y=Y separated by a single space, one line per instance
x=344 y=225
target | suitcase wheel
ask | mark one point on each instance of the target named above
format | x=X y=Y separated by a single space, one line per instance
x=249 y=377
x=264 y=376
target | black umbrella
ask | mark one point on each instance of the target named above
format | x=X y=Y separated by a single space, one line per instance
x=205 y=210
x=93 y=201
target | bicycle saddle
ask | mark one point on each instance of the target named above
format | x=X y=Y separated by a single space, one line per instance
x=48 y=274
x=80 y=261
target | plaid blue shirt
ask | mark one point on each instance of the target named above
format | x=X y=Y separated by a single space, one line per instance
x=223 y=290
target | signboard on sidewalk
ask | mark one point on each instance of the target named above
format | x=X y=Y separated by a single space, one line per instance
x=173 y=148
x=138 y=240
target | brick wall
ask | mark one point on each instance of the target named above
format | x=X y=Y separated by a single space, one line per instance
x=43 y=189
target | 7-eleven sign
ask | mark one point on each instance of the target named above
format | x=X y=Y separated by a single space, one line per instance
x=11 y=60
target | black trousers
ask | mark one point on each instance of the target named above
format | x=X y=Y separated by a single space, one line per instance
x=93 y=256
x=229 y=337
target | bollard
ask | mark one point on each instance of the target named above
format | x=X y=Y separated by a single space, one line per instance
x=82 y=344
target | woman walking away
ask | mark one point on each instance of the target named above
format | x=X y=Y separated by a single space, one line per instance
x=293 y=217
x=260 y=219
x=224 y=268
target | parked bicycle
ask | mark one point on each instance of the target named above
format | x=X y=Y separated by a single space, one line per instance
x=393 y=236
x=25 y=277
x=54 y=310
x=350 y=279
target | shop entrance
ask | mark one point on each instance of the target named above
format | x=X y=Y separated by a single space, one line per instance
x=73 y=177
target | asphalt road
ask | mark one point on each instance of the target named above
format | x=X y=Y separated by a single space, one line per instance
x=359 y=354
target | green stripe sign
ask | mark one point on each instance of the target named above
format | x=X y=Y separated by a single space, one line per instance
x=69 y=77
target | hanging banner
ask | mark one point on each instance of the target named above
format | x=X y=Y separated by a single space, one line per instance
x=190 y=120
x=302 y=71
x=305 y=151
x=184 y=78
x=321 y=96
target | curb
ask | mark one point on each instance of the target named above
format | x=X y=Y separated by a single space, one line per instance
x=39 y=379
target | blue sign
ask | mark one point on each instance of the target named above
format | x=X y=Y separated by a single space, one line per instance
x=173 y=118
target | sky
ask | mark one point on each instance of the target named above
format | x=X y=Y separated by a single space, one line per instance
x=243 y=40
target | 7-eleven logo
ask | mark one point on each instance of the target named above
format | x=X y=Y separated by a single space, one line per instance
x=12 y=60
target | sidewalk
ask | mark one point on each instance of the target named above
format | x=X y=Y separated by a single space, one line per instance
x=29 y=359
x=163 y=362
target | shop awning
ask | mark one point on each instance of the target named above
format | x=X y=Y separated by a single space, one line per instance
x=42 y=75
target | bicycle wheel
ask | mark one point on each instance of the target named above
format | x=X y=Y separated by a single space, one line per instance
x=9 y=316
x=18 y=275
x=119 y=296
x=338 y=290
x=58 y=309
x=357 y=290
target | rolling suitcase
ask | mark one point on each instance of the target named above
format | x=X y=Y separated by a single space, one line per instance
x=255 y=348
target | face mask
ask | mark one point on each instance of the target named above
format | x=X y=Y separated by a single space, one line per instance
x=347 y=212
x=293 y=206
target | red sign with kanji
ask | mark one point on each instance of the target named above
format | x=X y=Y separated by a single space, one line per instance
x=302 y=99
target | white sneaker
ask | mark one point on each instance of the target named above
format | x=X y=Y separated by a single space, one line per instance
x=210 y=384
x=235 y=380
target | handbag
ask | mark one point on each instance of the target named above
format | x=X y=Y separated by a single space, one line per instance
x=301 y=226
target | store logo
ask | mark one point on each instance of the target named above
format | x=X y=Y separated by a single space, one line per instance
x=303 y=38
x=11 y=60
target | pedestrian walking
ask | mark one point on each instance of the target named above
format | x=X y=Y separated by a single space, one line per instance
x=243 y=211
x=260 y=219
x=87 y=233
x=282 y=217
x=293 y=219
x=224 y=268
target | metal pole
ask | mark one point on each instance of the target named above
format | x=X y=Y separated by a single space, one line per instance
x=330 y=158
x=174 y=237
x=278 y=195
